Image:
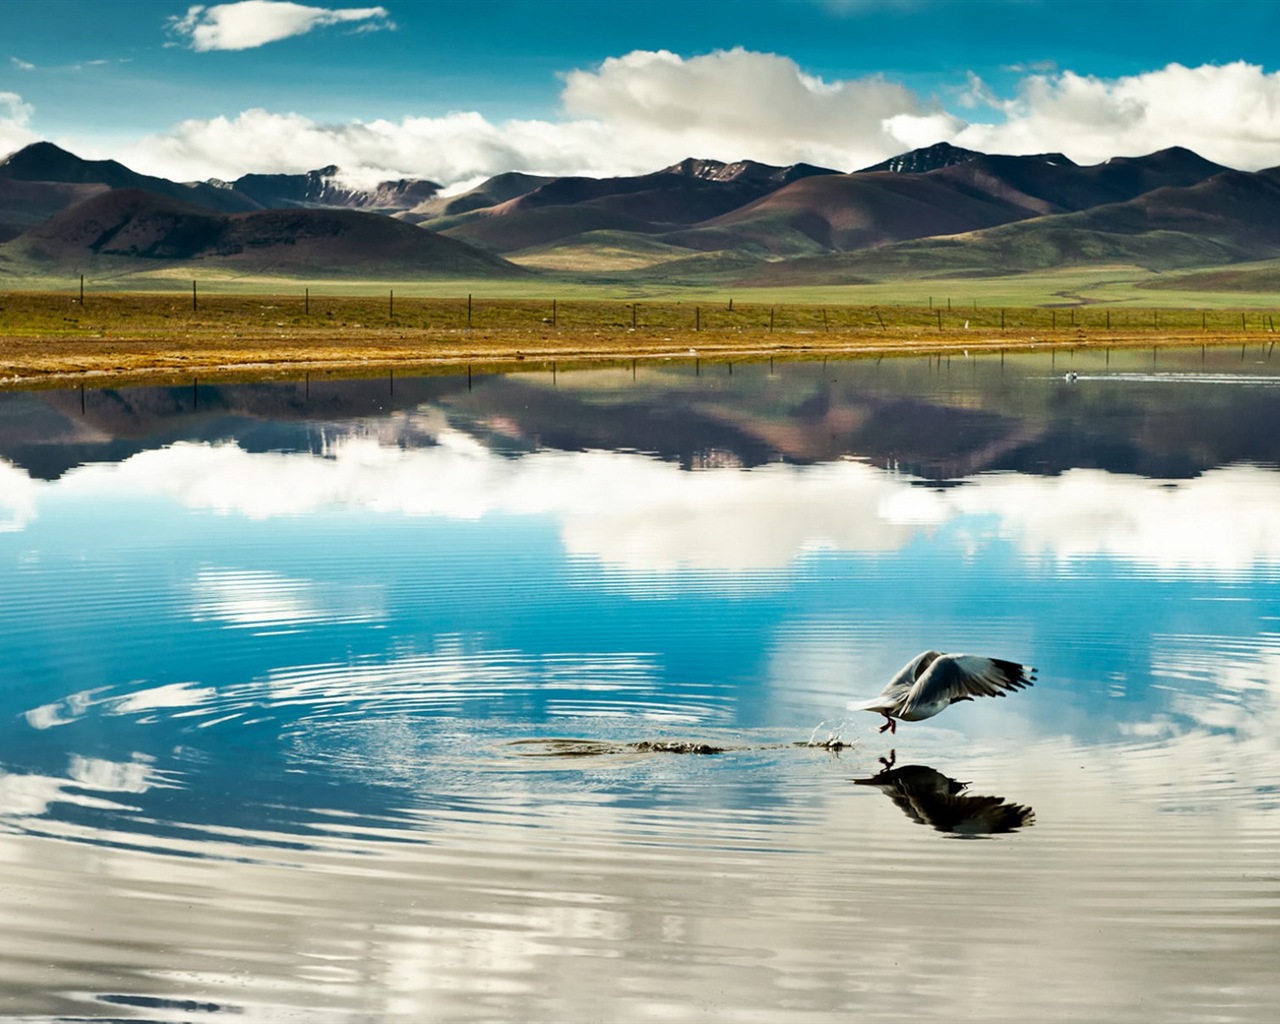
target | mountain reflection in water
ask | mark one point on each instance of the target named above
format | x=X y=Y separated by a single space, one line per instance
x=938 y=419
x=420 y=699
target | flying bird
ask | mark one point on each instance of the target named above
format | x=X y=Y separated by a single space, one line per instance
x=930 y=682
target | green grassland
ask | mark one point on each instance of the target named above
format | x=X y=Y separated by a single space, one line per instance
x=50 y=337
x=717 y=277
x=233 y=312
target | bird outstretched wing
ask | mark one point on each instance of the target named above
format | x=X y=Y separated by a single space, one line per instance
x=898 y=689
x=953 y=677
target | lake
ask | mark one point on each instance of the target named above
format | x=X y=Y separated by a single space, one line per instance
x=524 y=697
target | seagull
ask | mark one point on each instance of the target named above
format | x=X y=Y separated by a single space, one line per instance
x=930 y=682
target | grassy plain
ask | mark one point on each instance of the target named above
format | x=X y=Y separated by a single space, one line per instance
x=600 y=272
x=52 y=338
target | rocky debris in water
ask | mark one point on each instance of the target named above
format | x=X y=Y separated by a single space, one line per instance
x=830 y=743
x=675 y=747
x=563 y=747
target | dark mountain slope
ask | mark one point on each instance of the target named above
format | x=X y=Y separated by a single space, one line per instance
x=684 y=194
x=26 y=204
x=928 y=158
x=43 y=161
x=869 y=208
x=145 y=228
x=1052 y=183
x=324 y=188
x=542 y=226
x=745 y=171
x=498 y=189
x=850 y=211
x=1232 y=217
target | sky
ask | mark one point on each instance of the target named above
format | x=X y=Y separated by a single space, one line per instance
x=457 y=91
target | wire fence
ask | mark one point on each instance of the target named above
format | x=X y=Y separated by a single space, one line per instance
x=311 y=309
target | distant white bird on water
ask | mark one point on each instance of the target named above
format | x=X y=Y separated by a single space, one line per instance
x=931 y=682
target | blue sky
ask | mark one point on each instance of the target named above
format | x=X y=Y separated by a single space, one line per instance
x=457 y=91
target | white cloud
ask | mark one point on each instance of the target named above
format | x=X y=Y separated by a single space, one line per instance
x=15 y=116
x=640 y=111
x=629 y=511
x=75 y=706
x=735 y=102
x=446 y=149
x=17 y=498
x=1087 y=513
x=636 y=513
x=29 y=795
x=267 y=601
x=1229 y=113
x=630 y=115
x=252 y=23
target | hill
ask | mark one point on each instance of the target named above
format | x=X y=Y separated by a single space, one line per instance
x=685 y=193
x=45 y=162
x=929 y=158
x=132 y=230
x=847 y=212
x=498 y=189
x=325 y=188
x=940 y=210
x=26 y=204
x=1232 y=217
x=1052 y=183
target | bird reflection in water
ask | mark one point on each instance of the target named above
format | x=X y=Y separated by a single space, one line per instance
x=928 y=797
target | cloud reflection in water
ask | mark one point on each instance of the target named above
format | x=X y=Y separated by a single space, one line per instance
x=635 y=512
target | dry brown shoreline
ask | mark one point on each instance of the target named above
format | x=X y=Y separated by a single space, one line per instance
x=50 y=339
x=44 y=361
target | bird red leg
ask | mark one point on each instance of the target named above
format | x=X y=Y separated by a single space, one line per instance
x=889 y=723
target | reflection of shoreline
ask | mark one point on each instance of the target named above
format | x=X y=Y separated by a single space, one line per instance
x=697 y=415
x=928 y=797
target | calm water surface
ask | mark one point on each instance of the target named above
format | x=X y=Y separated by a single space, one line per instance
x=353 y=701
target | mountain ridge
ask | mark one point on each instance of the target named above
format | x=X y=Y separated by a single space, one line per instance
x=145 y=227
x=932 y=210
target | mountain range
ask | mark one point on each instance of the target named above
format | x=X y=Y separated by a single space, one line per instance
x=937 y=211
